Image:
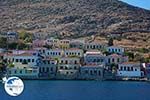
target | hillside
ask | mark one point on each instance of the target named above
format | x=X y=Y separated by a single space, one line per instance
x=73 y=17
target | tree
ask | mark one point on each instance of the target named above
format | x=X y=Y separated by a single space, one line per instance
x=130 y=55
x=110 y=42
x=3 y=42
x=25 y=36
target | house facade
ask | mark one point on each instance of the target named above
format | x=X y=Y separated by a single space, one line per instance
x=73 y=52
x=94 y=46
x=130 y=69
x=54 y=53
x=94 y=57
x=115 y=49
x=115 y=59
x=47 y=68
x=94 y=72
x=24 y=71
x=68 y=68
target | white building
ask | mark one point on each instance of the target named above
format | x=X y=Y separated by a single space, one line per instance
x=94 y=57
x=47 y=68
x=24 y=71
x=68 y=68
x=52 y=42
x=116 y=59
x=115 y=49
x=23 y=58
x=91 y=72
x=94 y=46
x=130 y=69
x=73 y=52
x=54 y=53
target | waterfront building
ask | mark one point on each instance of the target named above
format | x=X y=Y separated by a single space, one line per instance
x=23 y=71
x=73 y=52
x=147 y=70
x=115 y=49
x=115 y=59
x=94 y=57
x=23 y=58
x=91 y=72
x=130 y=69
x=68 y=67
x=47 y=68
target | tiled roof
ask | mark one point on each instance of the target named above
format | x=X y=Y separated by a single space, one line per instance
x=114 y=55
x=130 y=63
x=24 y=54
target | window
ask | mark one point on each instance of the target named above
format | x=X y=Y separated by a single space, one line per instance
x=113 y=60
x=9 y=72
x=75 y=67
x=20 y=60
x=16 y=60
x=124 y=68
x=51 y=69
x=121 y=68
x=99 y=73
x=47 y=69
x=131 y=68
x=59 y=53
x=32 y=60
x=109 y=60
x=75 y=62
x=20 y=71
x=118 y=60
x=128 y=68
x=86 y=71
x=78 y=53
x=66 y=62
x=61 y=67
x=15 y=71
x=135 y=69
x=29 y=60
x=91 y=72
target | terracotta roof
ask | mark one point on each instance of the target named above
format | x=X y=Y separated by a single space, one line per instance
x=24 y=54
x=73 y=49
x=114 y=55
x=131 y=63
x=92 y=65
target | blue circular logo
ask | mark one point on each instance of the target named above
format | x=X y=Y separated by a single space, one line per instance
x=14 y=86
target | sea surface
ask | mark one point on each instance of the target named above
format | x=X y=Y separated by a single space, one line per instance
x=80 y=90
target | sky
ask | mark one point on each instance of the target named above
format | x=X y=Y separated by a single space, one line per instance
x=139 y=3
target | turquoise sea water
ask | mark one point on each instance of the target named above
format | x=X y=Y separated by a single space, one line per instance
x=81 y=90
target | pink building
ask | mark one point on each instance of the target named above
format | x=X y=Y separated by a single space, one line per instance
x=38 y=43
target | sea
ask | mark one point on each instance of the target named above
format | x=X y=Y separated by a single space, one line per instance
x=80 y=90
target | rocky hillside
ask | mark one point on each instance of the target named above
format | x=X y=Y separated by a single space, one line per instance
x=72 y=17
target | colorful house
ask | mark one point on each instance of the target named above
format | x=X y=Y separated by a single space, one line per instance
x=130 y=69
x=91 y=72
x=94 y=57
x=47 y=68
x=68 y=68
x=73 y=52
x=115 y=59
x=115 y=49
